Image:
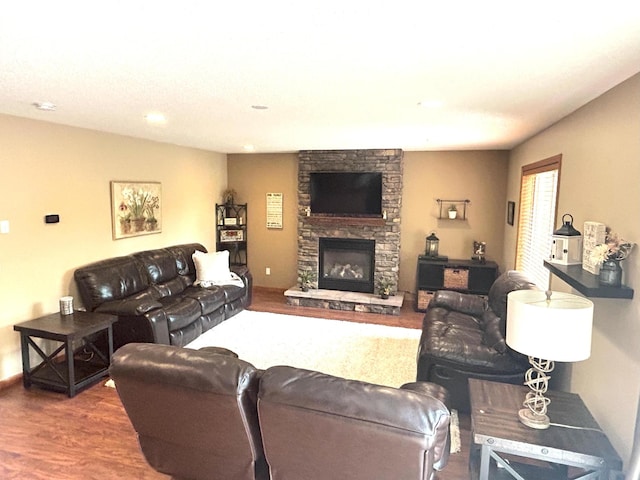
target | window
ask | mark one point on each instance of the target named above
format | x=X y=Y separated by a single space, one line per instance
x=538 y=199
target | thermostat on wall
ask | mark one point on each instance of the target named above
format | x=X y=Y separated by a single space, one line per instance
x=51 y=218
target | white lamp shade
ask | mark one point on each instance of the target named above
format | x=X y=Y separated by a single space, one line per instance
x=558 y=329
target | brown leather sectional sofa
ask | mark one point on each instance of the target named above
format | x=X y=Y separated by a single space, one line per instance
x=154 y=296
x=205 y=414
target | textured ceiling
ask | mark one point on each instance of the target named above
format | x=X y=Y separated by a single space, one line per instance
x=333 y=74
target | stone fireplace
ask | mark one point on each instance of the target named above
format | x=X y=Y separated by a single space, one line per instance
x=346 y=264
x=382 y=232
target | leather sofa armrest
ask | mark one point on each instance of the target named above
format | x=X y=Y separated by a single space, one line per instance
x=428 y=388
x=240 y=270
x=129 y=306
x=494 y=332
x=460 y=302
x=219 y=351
x=442 y=451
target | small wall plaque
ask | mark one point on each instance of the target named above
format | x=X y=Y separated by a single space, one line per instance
x=274 y=210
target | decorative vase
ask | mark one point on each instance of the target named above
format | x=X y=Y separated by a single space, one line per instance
x=138 y=224
x=610 y=273
x=125 y=226
x=151 y=224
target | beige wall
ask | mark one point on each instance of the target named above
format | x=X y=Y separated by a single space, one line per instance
x=479 y=176
x=47 y=168
x=253 y=176
x=600 y=147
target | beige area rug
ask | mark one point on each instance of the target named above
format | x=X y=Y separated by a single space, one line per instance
x=361 y=351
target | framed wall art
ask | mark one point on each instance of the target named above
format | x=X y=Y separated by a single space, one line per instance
x=511 y=212
x=136 y=208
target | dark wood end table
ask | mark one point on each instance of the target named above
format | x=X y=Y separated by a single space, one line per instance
x=73 y=373
x=522 y=452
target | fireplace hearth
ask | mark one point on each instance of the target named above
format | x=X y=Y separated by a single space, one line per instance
x=346 y=264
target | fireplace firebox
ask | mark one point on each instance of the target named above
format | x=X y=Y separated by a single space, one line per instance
x=346 y=264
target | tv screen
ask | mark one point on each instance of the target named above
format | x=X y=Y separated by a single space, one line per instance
x=346 y=193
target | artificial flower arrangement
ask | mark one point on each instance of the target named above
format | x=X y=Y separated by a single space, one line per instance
x=614 y=248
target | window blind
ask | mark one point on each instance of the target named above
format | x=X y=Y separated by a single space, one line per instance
x=538 y=198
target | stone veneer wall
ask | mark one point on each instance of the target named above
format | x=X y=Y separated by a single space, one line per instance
x=386 y=235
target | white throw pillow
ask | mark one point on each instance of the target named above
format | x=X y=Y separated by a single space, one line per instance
x=212 y=267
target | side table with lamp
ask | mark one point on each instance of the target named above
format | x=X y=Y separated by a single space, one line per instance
x=554 y=431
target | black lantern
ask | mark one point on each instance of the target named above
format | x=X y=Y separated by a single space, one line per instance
x=432 y=245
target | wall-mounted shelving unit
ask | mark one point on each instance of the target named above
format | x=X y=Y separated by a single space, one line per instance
x=587 y=283
x=461 y=207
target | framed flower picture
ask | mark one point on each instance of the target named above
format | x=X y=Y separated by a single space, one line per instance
x=136 y=208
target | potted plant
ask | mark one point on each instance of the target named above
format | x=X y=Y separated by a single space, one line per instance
x=305 y=279
x=609 y=255
x=228 y=196
x=384 y=287
x=453 y=211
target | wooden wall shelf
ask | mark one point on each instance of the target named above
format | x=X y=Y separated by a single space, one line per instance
x=587 y=283
x=443 y=213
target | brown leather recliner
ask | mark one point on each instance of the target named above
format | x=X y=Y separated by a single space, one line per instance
x=194 y=410
x=316 y=427
x=463 y=336
x=196 y=415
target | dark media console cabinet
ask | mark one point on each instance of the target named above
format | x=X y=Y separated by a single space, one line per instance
x=464 y=276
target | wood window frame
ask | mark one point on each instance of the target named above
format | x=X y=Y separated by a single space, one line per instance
x=546 y=165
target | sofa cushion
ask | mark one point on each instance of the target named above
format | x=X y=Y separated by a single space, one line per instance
x=210 y=298
x=212 y=267
x=183 y=255
x=180 y=311
x=109 y=280
x=449 y=340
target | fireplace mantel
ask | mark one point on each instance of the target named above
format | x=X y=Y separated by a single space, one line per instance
x=337 y=221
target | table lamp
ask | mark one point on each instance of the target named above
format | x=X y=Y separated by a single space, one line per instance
x=548 y=327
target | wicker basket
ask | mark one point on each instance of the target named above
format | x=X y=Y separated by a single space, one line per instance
x=456 y=278
x=424 y=297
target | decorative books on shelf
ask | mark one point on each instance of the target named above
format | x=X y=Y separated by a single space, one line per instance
x=594 y=233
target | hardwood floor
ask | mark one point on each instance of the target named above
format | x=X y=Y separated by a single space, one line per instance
x=45 y=435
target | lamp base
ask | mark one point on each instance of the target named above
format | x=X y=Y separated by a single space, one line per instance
x=533 y=420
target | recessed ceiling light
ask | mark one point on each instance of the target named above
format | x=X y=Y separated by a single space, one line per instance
x=259 y=107
x=45 y=106
x=431 y=103
x=155 y=117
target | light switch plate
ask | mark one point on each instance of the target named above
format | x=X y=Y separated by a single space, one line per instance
x=4 y=226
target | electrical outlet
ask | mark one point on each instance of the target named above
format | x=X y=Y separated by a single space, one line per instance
x=267 y=271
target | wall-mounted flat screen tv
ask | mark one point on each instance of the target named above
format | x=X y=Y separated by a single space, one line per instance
x=346 y=193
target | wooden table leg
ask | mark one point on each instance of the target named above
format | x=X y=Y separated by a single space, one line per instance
x=71 y=386
x=26 y=362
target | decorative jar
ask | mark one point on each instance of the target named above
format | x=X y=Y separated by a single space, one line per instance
x=610 y=273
